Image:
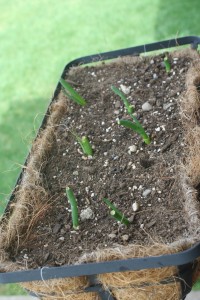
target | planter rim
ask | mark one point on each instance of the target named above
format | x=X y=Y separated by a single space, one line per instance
x=183 y=260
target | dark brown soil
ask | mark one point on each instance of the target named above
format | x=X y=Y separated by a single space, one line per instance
x=147 y=176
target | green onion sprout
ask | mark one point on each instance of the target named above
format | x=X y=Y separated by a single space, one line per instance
x=73 y=203
x=139 y=129
x=71 y=93
x=167 y=64
x=129 y=107
x=84 y=143
x=136 y=126
x=115 y=213
x=86 y=146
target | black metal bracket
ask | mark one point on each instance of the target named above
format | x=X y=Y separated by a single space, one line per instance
x=88 y=269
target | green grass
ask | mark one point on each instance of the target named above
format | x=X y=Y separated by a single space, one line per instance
x=11 y=289
x=39 y=37
x=196 y=287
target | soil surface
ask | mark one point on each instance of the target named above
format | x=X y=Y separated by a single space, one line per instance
x=123 y=168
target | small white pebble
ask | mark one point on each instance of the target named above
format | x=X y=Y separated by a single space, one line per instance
x=61 y=238
x=135 y=206
x=84 y=157
x=87 y=214
x=167 y=105
x=112 y=235
x=142 y=226
x=155 y=76
x=116 y=112
x=146 y=106
x=64 y=154
x=75 y=173
x=157 y=129
x=125 y=89
x=163 y=127
x=149 y=204
x=54 y=176
x=132 y=148
x=105 y=163
x=134 y=187
x=125 y=237
x=146 y=192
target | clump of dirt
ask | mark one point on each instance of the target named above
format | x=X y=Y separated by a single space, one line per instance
x=123 y=168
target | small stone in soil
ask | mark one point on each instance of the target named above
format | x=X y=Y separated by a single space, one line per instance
x=135 y=206
x=131 y=219
x=125 y=237
x=117 y=104
x=125 y=89
x=56 y=228
x=167 y=105
x=112 y=235
x=86 y=214
x=146 y=192
x=132 y=148
x=146 y=106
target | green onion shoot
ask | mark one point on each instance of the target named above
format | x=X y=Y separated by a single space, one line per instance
x=73 y=203
x=84 y=143
x=115 y=213
x=135 y=125
x=86 y=146
x=71 y=93
x=167 y=64
x=137 y=128
x=129 y=107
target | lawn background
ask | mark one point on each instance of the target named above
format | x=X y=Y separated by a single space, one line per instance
x=38 y=37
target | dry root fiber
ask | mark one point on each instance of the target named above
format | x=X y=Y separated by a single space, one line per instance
x=68 y=288
x=31 y=201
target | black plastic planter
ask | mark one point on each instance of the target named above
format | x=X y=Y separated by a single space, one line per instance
x=186 y=261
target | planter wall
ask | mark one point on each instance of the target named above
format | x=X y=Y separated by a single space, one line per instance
x=158 y=272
